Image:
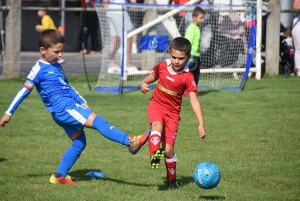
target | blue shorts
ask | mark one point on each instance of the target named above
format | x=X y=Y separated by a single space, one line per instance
x=73 y=118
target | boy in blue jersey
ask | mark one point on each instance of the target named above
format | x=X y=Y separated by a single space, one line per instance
x=69 y=110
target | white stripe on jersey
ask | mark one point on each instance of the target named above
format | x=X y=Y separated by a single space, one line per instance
x=34 y=71
x=78 y=94
x=16 y=101
x=76 y=115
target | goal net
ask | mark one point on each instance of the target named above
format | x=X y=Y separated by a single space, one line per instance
x=135 y=38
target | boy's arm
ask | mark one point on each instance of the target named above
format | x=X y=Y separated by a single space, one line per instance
x=45 y=24
x=195 y=103
x=77 y=97
x=146 y=81
x=21 y=95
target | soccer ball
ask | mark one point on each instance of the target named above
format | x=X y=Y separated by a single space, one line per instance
x=207 y=175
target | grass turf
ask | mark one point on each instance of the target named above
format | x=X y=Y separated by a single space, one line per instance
x=252 y=136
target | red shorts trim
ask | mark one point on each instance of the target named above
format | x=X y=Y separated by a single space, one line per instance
x=170 y=121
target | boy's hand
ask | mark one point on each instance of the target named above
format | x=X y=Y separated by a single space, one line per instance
x=37 y=28
x=202 y=131
x=4 y=120
x=144 y=87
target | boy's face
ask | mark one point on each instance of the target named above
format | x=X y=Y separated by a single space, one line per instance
x=178 y=60
x=41 y=13
x=198 y=19
x=53 y=54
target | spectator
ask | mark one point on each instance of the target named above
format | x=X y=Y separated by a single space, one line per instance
x=287 y=53
x=180 y=17
x=90 y=29
x=136 y=18
x=296 y=35
x=46 y=21
x=115 y=27
x=46 y=24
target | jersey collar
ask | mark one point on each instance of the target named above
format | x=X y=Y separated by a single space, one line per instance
x=185 y=69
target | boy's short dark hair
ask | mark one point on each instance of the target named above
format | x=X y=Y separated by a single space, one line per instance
x=182 y=44
x=50 y=37
x=197 y=10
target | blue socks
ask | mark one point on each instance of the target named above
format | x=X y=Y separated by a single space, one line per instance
x=71 y=155
x=110 y=132
x=78 y=144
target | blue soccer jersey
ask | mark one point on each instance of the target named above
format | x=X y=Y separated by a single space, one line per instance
x=53 y=87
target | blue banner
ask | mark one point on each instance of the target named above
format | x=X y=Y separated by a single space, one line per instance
x=159 y=43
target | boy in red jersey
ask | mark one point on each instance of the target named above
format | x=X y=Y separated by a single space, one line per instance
x=164 y=107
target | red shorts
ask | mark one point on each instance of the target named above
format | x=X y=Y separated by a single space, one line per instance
x=170 y=121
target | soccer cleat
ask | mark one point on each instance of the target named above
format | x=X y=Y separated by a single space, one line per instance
x=156 y=157
x=172 y=184
x=61 y=180
x=136 y=142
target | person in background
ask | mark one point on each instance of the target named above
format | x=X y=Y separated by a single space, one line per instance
x=173 y=79
x=193 y=34
x=180 y=16
x=288 y=49
x=296 y=36
x=115 y=17
x=136 y=18
x=90 y=28
x=46 y=24
x=46 y=21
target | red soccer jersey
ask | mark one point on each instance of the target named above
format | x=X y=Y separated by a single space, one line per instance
x=171 y=86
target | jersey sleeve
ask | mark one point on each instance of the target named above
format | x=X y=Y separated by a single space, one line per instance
x=191 y=84
x=46 y=23
x=156 y=69
x=21 y=95
x=76 y=96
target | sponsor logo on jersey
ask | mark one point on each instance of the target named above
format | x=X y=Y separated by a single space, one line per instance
x=167 y=90
x=61 y=79
x=51 y=72
x=174 y=136
x=169 y=78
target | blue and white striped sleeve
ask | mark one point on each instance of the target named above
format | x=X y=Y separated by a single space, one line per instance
x=21 y=95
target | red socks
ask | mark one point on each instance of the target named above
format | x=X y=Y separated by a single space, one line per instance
x=171 y=168
x=154 y=142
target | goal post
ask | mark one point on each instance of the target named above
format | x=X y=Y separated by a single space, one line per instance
x=227 y=44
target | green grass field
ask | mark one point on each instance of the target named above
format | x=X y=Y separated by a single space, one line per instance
x=253 y=137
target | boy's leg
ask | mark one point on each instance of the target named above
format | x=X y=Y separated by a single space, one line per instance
x=195 y=69
x=171 y=128
x=134 y=143
x=68 y=160
x=156 y=153
x=170 y=162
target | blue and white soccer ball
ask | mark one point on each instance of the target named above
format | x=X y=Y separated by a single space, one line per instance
x=207 y=175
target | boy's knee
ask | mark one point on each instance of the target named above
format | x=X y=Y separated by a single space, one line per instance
x=80 y=142
x=169 y=154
